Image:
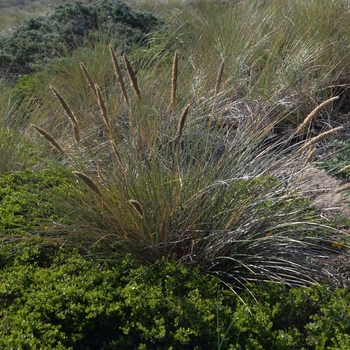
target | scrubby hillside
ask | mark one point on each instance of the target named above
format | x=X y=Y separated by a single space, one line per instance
x=158 y=186
x=70 y=26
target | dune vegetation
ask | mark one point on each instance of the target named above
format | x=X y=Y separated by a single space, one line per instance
x=153 y=162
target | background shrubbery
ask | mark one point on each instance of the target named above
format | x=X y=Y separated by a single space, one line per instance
x=72 y=25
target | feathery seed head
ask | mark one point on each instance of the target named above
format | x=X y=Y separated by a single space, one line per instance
x=137 y=206
x=132 y=76
x=88 y=181
x=69 y=113
x=48 y=137
x=119 y=75
x=182 y=121
x=88 y=78
x=314 y=113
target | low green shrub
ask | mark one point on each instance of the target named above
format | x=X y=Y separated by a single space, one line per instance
x=336 y=164
x=59 y=300
x=26 y=84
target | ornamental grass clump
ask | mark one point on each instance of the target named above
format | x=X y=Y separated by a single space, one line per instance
x=170 y=177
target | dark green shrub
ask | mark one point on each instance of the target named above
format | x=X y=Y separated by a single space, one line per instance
x=59 y=300
x=82 y=304
x=303 y=318
x=72 y=25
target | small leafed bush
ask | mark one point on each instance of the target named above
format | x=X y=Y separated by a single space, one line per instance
x=59 y=300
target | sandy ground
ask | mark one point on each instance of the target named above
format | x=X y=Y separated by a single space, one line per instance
x=330 y=199
x=327 y=193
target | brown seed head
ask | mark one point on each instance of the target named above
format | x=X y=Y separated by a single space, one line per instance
x=132 y=76
x=182 y=121
x=88 y=181
x=318 y=138
x=88 y=78
x=102 y=105
x=314 y=113
x=346 y=168
x=119 y=75
x=346 y=187
x=219 y=77
x=48 y=137
x=69 y=113
x=137 y=206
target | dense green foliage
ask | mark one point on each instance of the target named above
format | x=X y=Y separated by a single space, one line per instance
x=59 y=300
x=72 y=25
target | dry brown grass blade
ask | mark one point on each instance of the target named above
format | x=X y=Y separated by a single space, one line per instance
x=182 y=121
x=309 y=156
x=216 y=89
x=174 y=77
x=132 y=76
x=76 y=134
x=318 y=138
x=119 y=160
x=119 y=75
x=88 y=181
x=314 y=113
x=137 y=206
x=88 y=78
x=69 y=113
x=218 y=78
x=342 y=188
x=48 y=137
x=103 y=107
x=346 y=168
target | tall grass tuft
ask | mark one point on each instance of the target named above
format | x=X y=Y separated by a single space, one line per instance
x=223 y=206
x=216 y=184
